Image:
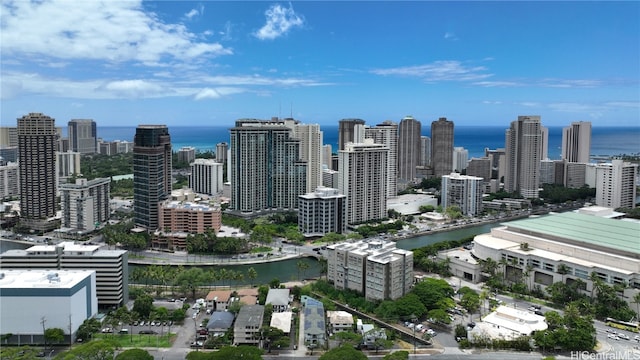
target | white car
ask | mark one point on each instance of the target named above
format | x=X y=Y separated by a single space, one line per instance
x=613 y=336
x=419 y=327
x=623 y=336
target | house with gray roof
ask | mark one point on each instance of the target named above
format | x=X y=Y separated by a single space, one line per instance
x=279 y=299
x=220 y=322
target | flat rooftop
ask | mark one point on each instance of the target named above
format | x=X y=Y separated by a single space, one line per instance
x=623 y=236
x=38 y=279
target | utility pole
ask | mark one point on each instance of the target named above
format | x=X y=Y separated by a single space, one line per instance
x=43 y=320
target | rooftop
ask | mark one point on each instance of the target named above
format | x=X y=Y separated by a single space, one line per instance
x=596 y=232
x=37 y=279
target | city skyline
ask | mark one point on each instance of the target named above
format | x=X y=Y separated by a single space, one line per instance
x=210 y=63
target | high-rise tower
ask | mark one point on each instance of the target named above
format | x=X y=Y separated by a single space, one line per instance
x=616 y=184
x=346 y=131
x=408 y=148
x=386 y=133
x=151 y=173
x=266 y=170
x=37 y=139
x=442 y=147
x=83 y=136
x=362 y=181
x=310 y=138
x=523 y=149
x=576 y=142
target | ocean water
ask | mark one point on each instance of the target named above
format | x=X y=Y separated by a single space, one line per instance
x=605 y=141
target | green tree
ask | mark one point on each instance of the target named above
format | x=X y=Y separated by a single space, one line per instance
x=348 y=337
x=302 y=267
x=88 y=328
x=343 y=352
x=134 y=354
x=237 y=352
x=53 y=336
x=143 y=305
x=410 y=304
x=93 y=350
x=252 y=274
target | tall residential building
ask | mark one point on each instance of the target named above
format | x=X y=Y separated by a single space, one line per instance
x=574 y=174
x=151 y=173
x=346 y=131
x=480 y=167
x=375 y=268
x=387 y=134
x=498 y=162
x=187 y=154
x=83 y=136
x=221 y=152
x=310 y=138
x=37 y=148
x=362 y=181
x=111 y=266
x=463 y=191
x=327 y=156
x=9 y=153
x=321 y=212
x=616 y=184
x=460 y=159
x=408 y=148
x=266 y=170
x=206 y=176
x=576 y=142
x=425 y=151
x=8 y=136
x=85 y=204
x=189 y=217
x=67 y=165
x=523 y=147
x=442 y=147
x=9 y=180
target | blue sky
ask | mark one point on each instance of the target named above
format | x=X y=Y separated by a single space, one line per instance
x=210 y=63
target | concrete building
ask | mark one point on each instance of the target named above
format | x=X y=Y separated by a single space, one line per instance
x=375 y=268
x=425 y=151
x=221 y=152
x=574 y=174
x=8 y=136
x=442 y=147
x=576 y=142
x=248 y=324
x=507 y=323
x=9 y=153
x=524 y=150
x=547 y=171
x=37 y=138
x=616 y=184
x=327 y=157
x=480 y=167
x=409 y=204
x=363 y=181
x=189 y=217
x=330 y=178
x=186 y=154
x=460 y=159
x=206 y=176
x=340 y=321
x=314 y=327
x=583 y=245
x=322 y=212
x=85 y=204
x=282 y=321
x=498 y=162
x=220 y=322
x=267 y=173
x=67 y=165
x=409 y=133
x=9 y=180
x=386 y=133
x=83 y=136
x=218 y=300
x=151 y=173
x=111 y=266
x=311 y=139
x=33 y=300
x=346 y=131
x=463 y=191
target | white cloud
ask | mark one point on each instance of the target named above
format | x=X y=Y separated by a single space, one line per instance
x=489 y=102
x=134 y=88
x=529 y=104
x=623 y=104
x=114 y=31
x=497 y=83
x=450 y=36
x=195 y=12
x=216 y=93
x=449 y=70
x=279 y=21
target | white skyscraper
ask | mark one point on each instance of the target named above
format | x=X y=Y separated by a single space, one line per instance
x=387 y=134
x=425 y=151
x=616 y=184
x=524 y=149
x=206 y=176
x=310 y=138
x=576 y=142
x=462 y=191
x=362 y=179
x=460 y=159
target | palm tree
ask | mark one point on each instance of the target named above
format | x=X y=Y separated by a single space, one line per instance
x=252 y=274
x=636 y=300
x=324 y=267
x=302 y=266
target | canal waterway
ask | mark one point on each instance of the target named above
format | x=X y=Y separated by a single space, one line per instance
x=288 y=270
